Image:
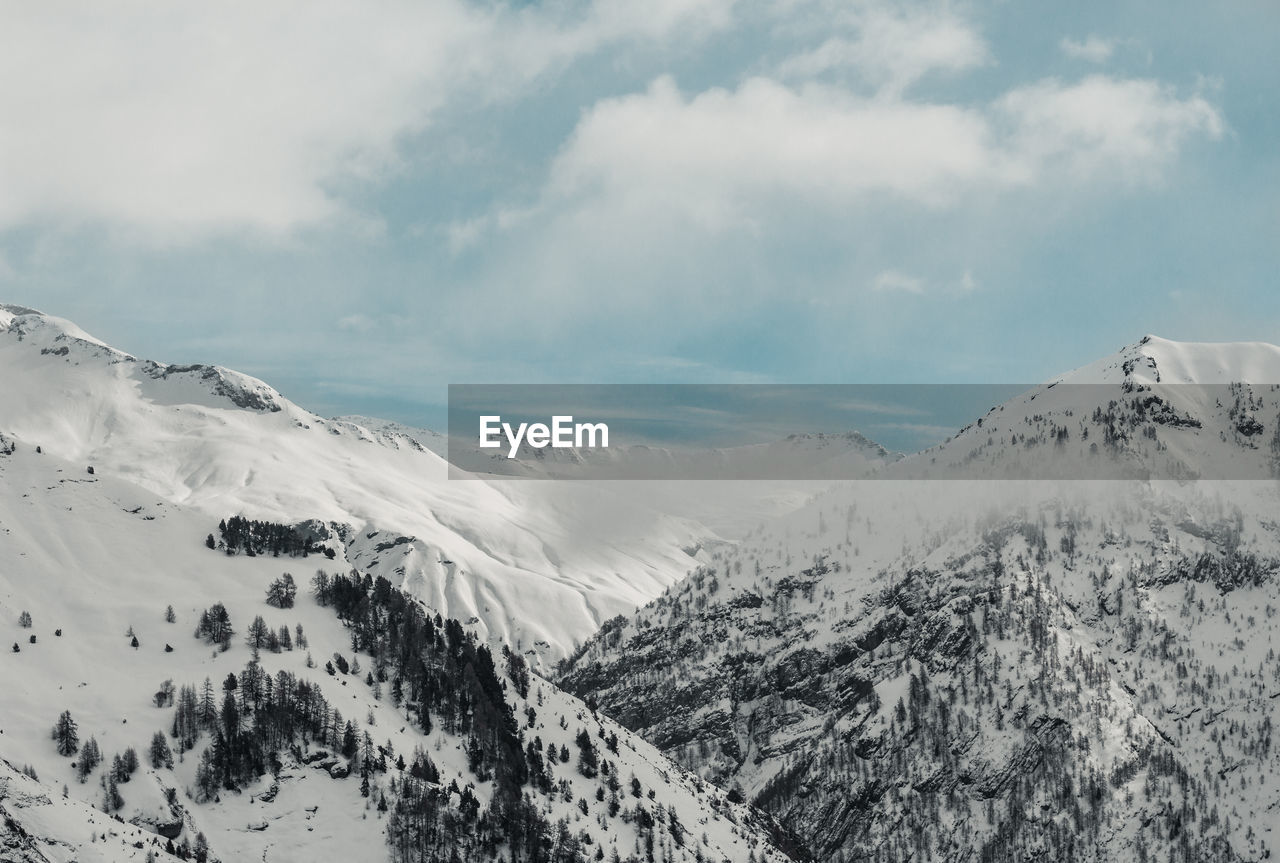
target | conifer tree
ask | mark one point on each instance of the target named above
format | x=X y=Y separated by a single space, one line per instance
x=160 y=754
x=90 y=758
x=65 y=734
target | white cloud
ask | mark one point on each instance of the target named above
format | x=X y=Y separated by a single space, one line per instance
x=1106 y=127
x=892 y=47
x=898 y=282
x=177 y=120
x=725 y=159
x=716 y=153
x=678 y=200
x=1093 y=48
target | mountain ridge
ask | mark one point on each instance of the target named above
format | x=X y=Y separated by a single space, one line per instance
x=988 y=670
x=227 y=444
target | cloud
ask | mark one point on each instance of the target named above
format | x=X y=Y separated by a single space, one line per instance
x=896 y=282
x=747 y=207
x=357 y=323
x=1093 y=48
x=713 y=153
x=891 y=48
x=1102 y=127
x=725 y=158
x=174 y=121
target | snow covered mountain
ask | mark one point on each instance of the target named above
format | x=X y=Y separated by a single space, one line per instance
x=426 y=438
x=999 y=670
x=165 y=699
x=225 y=444
x=1157 y=409
x=221 y=443
x=882 y=670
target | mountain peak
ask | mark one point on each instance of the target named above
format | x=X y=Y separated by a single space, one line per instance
x=24 y=321
x=1154 y=360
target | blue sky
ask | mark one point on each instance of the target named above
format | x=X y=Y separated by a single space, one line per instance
x=362 y=204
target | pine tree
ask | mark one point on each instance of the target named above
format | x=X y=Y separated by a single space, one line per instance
x=130 y=763
x=90 y=758
x=208 y=712
x=588 y=762
x=258 y=633
x=282 y=591
x=111 y=799
x=207 y=780
x=66 y=735
x=161 y=756
x=215 y=626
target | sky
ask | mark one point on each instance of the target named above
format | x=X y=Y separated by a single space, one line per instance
x=363 y=203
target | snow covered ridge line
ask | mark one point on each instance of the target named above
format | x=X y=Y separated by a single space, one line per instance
x=212 y=442
x=1135 y=424
x=57 y=337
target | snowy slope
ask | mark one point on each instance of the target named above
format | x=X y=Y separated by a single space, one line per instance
x=41 y=826
x=95 y=557
x=221 y=443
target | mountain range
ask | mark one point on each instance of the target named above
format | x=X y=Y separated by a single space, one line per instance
x=999 y=669
x=994 y=650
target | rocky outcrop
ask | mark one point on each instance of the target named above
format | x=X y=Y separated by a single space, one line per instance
x=962 y=708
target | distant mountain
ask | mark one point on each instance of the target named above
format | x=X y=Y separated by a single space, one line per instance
x=798 y=457
x=998 y=670
x=429 y=440
x=1157 y=409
